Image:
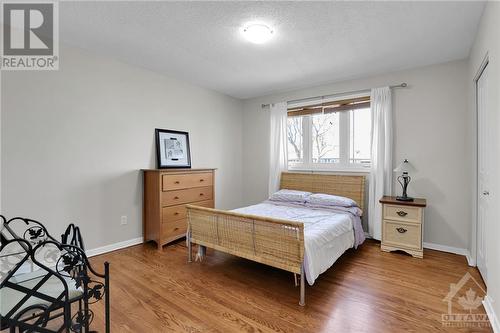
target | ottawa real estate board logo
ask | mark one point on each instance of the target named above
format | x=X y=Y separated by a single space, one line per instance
x=464 y=304
x=30 y=36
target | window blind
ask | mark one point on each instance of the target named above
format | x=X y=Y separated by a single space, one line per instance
x=331 y=107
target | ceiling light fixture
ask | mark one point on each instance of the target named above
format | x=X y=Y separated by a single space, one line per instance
x=257 y=33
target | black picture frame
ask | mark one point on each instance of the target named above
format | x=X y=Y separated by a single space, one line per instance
x=164 y=163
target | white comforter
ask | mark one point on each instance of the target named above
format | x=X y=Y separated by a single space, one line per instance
x=327 y=233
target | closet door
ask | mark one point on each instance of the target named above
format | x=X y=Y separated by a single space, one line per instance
x=485 y=162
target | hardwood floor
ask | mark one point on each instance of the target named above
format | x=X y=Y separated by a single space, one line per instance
x=365 y=291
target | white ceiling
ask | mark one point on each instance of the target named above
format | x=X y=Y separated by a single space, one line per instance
x=314 y=43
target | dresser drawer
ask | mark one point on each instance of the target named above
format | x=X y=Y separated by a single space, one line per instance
x=403 y=213
x=180 y=181
x=406 y=235
x=190 y=195
x=173 y=213
x=173 y=229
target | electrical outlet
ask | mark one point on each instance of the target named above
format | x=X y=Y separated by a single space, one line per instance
x=124 y=220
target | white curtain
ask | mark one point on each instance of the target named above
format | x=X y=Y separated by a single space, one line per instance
x=381 y=164
x=278 y=157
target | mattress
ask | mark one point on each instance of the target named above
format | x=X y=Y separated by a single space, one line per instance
x=328 y=233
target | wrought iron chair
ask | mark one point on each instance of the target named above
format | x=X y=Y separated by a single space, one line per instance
x=72 y=236
x=42 y=280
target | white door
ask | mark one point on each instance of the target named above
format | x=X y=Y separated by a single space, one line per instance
x=485 y=162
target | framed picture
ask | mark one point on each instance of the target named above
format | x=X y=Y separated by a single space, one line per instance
x=172 y=149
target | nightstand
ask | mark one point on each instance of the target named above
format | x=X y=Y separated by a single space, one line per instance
x=403 y=225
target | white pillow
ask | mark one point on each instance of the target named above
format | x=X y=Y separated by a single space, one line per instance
x=330 y=200
x=353 y=210
x=290 y=196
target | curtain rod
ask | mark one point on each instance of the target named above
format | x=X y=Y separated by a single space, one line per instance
x=402 y=85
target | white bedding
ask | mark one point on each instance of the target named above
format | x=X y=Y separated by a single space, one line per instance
x=327 y=233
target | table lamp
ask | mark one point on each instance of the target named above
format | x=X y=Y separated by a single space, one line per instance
x=404 y=179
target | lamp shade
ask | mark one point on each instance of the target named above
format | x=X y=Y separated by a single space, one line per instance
x=405 y=166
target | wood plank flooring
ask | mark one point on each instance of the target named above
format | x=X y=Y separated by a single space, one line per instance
x=365 y=291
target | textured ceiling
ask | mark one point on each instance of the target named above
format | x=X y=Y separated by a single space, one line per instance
x=314 y=42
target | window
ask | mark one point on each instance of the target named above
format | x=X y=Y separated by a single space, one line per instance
x=325 y=138
x=360 y=122
x=333 y=135
x=294 y=134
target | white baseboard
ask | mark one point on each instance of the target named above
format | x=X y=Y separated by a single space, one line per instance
x=445 y=248
x=470 y=260
x=113 y=247
x=495 y=325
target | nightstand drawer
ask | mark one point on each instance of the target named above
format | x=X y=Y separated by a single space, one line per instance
x=406 y=235
x=403 y=213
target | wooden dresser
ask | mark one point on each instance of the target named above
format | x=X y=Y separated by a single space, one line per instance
x=166 y=194
x=403 y=225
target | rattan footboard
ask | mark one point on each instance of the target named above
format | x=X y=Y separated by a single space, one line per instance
x=274 y=242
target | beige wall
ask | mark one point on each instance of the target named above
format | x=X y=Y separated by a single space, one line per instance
x=73 y=142
x=430 y=129
x=487 y=42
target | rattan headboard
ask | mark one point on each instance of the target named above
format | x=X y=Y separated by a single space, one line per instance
x=344 y=185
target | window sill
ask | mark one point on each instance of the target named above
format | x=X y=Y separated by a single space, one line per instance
x=339 y=169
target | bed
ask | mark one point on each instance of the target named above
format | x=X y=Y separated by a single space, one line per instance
x=302 y=240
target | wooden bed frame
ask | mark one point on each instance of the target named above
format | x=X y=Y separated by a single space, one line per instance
x=274 y=242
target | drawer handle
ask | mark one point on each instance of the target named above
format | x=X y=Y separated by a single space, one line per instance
x=401 y=230
x=402 y=213
x=201 y=194
x=176 y=213
x=202 y=180
x=177 y=182
x=175 y=198
x=176 y=229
